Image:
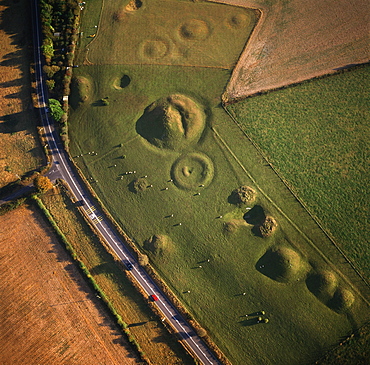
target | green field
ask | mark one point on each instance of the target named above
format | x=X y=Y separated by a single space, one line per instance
x=295 y=275
x=317 y=136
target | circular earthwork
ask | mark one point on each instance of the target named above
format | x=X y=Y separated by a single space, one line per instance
x=134 y=5
x=192 y=170
x=238 y=21
x=153 y=49
x=122 y=82
x=194 y=30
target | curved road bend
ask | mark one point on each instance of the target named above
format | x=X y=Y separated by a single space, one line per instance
x=62 y=168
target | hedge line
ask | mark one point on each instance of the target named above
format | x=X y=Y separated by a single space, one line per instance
x=123 y=325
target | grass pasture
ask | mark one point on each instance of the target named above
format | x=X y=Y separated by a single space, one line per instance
x=316 y=134
x=310 y=295
x=170 y=34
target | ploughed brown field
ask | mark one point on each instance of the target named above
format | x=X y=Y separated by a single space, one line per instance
x=48 y=313
x=297 y=40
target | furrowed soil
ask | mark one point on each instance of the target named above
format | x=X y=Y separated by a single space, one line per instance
x=299 y=40
x=20 y=150
x=161 y=347
x=48 y=313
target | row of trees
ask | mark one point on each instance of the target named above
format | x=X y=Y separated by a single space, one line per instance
x=59 y=21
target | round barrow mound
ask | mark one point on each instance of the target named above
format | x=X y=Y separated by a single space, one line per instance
x=243 y=195
x=342 y=300
x=173 y=122
x=157 y=243
x=134 y=5
x=239 y=20
x=122 y=82
x=322 y=284
x=192 y=170
x=81 y=90
x=268 y=227
x=154 y=49
x=138 y=185
x=194 y=30
x=282 y=264
x=233 y=225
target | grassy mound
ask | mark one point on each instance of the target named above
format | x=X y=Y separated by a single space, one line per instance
x=154 y=49
x=192 y=171
x=158 y=243
x=138 y=185
x=342 y=300
x=238 y=20
x=268 y=227
x=81 y=91
x=172 y=122
x=322 y=284
x=233 y=225
x=282 y=264
x=134 y=5
x=194 y=29
x=243 y=195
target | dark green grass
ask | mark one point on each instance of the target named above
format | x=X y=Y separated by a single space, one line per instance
x=216 y=300
x=295 y=314
x=317 y=136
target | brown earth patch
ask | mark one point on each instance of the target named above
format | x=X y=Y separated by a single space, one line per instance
x=49 y=314
x=20 y=150
x=299 y=40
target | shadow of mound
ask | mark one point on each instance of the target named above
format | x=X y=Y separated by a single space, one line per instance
x=255 y=216
x=282 y=264
x=173 y=122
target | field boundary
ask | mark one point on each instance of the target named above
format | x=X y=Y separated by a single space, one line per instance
x=300 y=202
x=155 y=277
x=110 y=307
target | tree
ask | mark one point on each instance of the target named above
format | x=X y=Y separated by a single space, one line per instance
x=143 y=259
x=50 y=84
x=201 y=332
x=42 y=184
x=56 y=109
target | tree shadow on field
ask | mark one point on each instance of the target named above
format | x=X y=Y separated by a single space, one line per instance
x=104 y=268
x=18 y=27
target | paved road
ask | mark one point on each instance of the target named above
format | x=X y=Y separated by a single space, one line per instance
x=63 y=168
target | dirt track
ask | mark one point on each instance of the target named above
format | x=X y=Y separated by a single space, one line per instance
x=296 y=40
x=48 y=313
